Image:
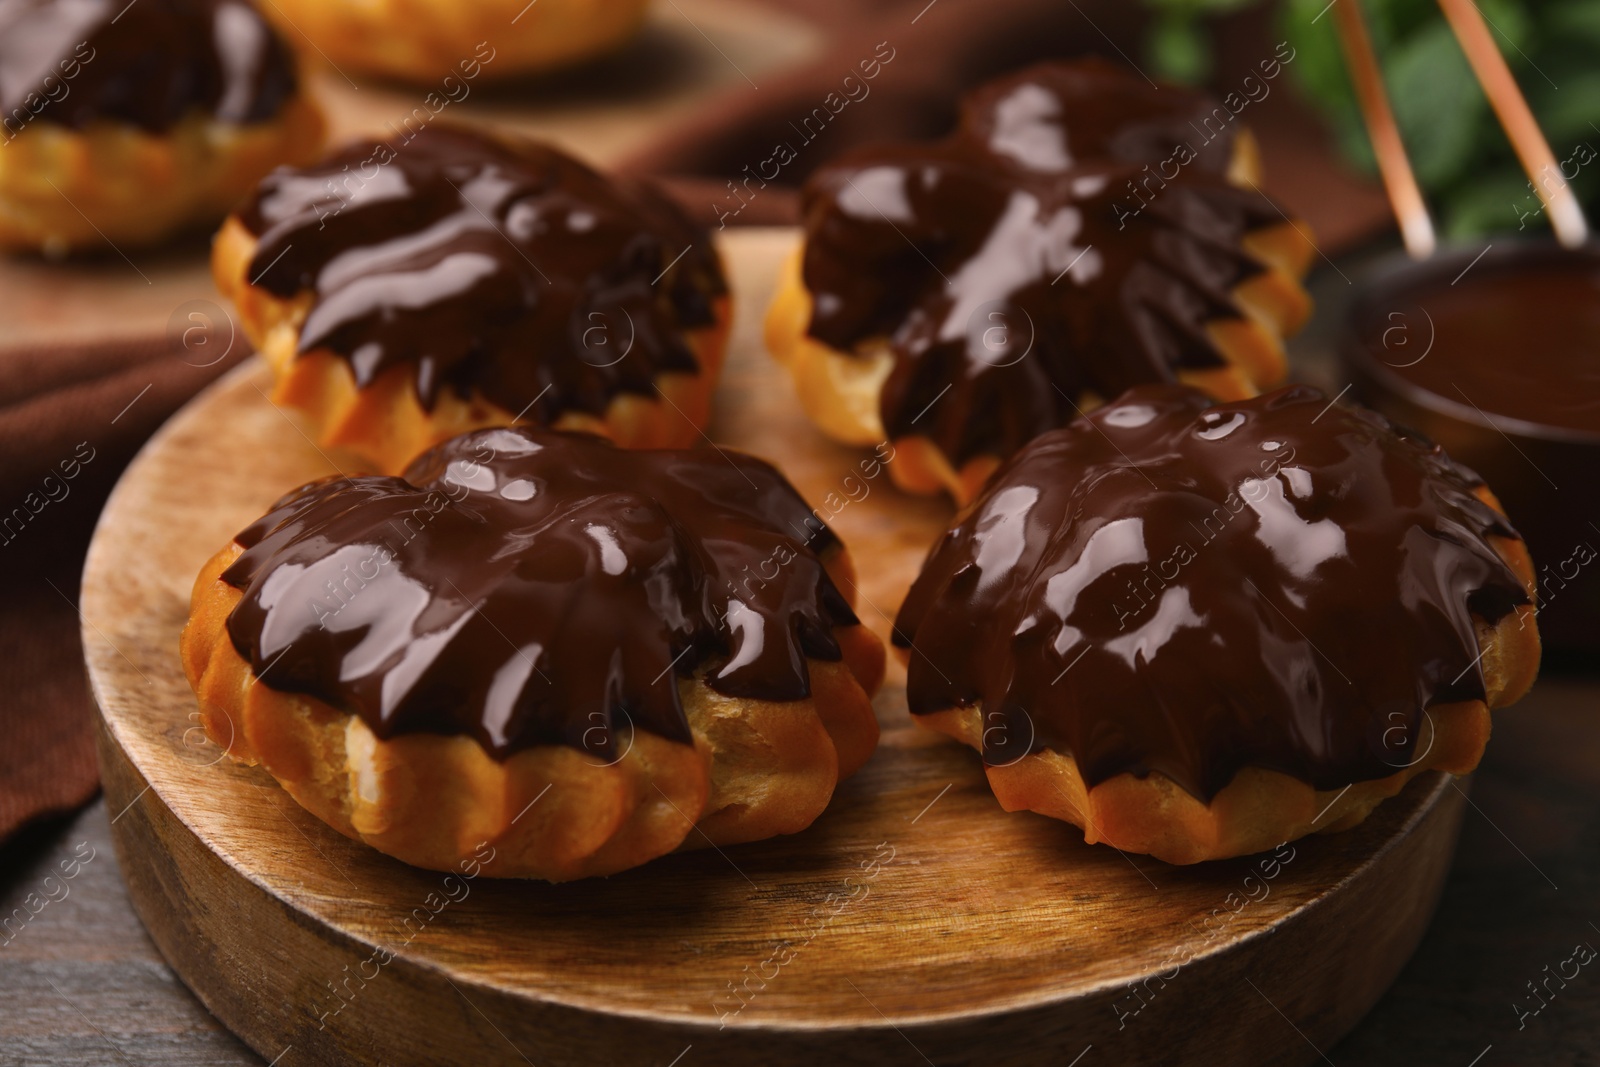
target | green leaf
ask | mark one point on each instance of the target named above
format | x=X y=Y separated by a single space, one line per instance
x=1462 y=159
x=1318 y=66
x=1437 y=103
x=1178 y=50
x=1578 y=19
x=1493 y=202
x=1513 y=28
x=1569 y=114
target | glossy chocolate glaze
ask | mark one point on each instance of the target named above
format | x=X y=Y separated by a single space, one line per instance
x=1012 y=267
x=1522 y=341
x=148 y=63
x=1174 y=586
x=526 y=587
x=502 y=268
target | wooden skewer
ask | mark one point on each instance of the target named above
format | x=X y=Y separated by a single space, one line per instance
x=1416 y=227
x=1566 y=215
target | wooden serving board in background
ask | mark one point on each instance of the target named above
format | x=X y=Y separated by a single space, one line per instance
x=915 y=922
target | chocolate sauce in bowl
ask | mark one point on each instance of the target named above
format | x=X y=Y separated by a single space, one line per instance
x=1522 y=342
x=149 y=64
x=1495 y=353
x=497 y=267
x=525 y=587
x=1073 y=235
x=1175 y=586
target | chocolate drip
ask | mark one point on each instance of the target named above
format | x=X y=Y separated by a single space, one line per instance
x=499 y=268
x=1073 y=235
x=149 y=64
x=1178 y=587
x=526 y=588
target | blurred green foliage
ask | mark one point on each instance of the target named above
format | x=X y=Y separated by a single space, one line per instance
x=1461 y=157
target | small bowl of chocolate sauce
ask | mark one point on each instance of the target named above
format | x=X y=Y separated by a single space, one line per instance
x=1494 y=352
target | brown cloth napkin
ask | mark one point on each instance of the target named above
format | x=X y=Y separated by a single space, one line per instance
x=941 y=50
x=70 y=419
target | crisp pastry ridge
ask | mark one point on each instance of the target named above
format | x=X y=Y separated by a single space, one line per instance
x=530 y=337
x=1277 y=684
x=643 y=747
x=923 y=267
x=87 y=161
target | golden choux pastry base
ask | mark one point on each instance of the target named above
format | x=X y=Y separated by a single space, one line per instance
x=915 y=914
x=63 y=189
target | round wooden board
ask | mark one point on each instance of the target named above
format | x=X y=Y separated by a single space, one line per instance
x=914 y=922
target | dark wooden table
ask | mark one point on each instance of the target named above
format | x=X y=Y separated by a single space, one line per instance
x=81 y=984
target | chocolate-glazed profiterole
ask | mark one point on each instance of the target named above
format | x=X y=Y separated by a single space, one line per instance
x=409 y=290
x=1186 y=626
x=146 y=116
x=147 y=64
x=528 y=607
x=1080 y=232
